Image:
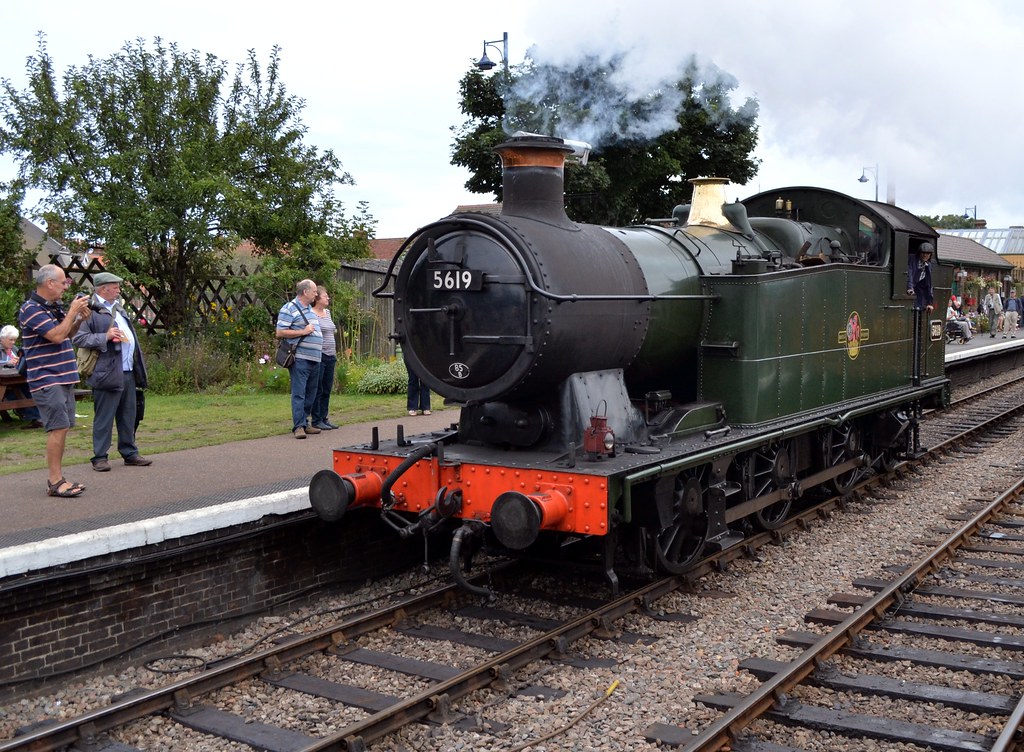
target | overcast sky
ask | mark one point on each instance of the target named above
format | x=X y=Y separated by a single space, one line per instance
x=929 y=91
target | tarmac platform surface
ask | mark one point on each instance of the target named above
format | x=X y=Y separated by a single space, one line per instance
x=181 y=493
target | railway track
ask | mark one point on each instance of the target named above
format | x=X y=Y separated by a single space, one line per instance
x=489 y=651
x=957 y=610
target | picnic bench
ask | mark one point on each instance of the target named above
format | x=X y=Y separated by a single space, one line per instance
x=14 y=401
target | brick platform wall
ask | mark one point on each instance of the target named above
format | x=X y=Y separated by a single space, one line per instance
x=76 y=616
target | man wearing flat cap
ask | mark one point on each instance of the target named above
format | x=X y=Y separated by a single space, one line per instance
x=919 y=277
x=119 y=372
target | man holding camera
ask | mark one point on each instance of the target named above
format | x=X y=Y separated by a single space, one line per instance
x=119 y=372
x=51 y=369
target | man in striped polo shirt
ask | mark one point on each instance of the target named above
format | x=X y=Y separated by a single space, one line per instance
x=296 y=319
x=51 y=368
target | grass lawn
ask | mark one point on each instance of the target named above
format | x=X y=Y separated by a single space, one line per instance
x=188 y=421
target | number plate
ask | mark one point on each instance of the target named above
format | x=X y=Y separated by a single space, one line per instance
x=457 y=279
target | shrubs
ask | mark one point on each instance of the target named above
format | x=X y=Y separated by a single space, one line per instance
x=190 y=364
x=384 y=378
x=233 y=354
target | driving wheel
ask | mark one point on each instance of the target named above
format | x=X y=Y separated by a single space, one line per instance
x=766 y=470
x=679 y=545
x=839 y=444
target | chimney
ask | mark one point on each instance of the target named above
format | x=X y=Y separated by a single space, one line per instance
x=533 y=177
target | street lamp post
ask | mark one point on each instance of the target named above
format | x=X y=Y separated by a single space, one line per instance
x=864 y=178
x=971 y=211
x=485 y=63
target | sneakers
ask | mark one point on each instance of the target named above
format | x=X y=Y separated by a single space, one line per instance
x=137 y=460
x=426 y=412
x=310 y=430
x=298 y=433
x=323 y=426
x=101 y=466
x=330 y=425
x=413 y=413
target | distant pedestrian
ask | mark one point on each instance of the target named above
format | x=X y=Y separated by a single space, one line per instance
x=993 y=307
x=119 y=374
x=417 y=393
x=328 y=361
x=297 y=320
x=1012 y=315
x=52 y=370
x=919 y=278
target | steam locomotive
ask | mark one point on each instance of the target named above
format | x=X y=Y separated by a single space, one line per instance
x=650 y=392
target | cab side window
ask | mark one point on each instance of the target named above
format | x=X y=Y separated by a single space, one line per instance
x=869 y=242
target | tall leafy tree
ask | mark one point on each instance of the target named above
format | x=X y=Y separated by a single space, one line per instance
x=948 y=221
x=647 y=143
x=14 y=258
x=166 y=161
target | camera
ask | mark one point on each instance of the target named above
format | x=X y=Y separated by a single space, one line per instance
x=93 y=305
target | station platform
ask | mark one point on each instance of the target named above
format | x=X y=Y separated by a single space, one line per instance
x=198 y=490
x=181 y=493
x=980 y=344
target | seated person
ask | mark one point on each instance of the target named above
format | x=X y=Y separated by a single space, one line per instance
x=958 y=319
x=9 y=356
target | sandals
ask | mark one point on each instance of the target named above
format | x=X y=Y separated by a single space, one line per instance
x=73 y=489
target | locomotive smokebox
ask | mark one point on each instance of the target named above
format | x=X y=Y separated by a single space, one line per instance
x=508 y=307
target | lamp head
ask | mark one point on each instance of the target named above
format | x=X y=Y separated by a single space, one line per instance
x=863 y=178
x=485 y=63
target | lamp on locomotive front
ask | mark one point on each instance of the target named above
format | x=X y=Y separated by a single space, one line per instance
x=598 y=438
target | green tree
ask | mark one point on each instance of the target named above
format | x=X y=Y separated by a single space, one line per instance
x=948 y=222
x=647 y=144
x=315 y=257
x=165 y=162
x=15 y=260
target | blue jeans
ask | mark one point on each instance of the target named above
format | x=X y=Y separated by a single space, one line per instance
x=325 y=383
x=417 y=394
x=304 y=385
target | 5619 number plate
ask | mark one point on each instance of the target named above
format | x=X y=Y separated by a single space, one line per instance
x=457 y=279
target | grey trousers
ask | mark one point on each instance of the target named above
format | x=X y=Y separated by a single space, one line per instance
x=114 y=406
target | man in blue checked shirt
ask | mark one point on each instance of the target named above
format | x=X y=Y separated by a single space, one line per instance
x=296 y=320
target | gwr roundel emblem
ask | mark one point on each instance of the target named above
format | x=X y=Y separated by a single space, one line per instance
x=853 y=335
x=458 y=370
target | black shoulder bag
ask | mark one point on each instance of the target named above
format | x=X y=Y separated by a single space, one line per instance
x=286 y=348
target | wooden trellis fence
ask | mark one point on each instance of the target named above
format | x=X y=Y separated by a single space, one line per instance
x=367 y=331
